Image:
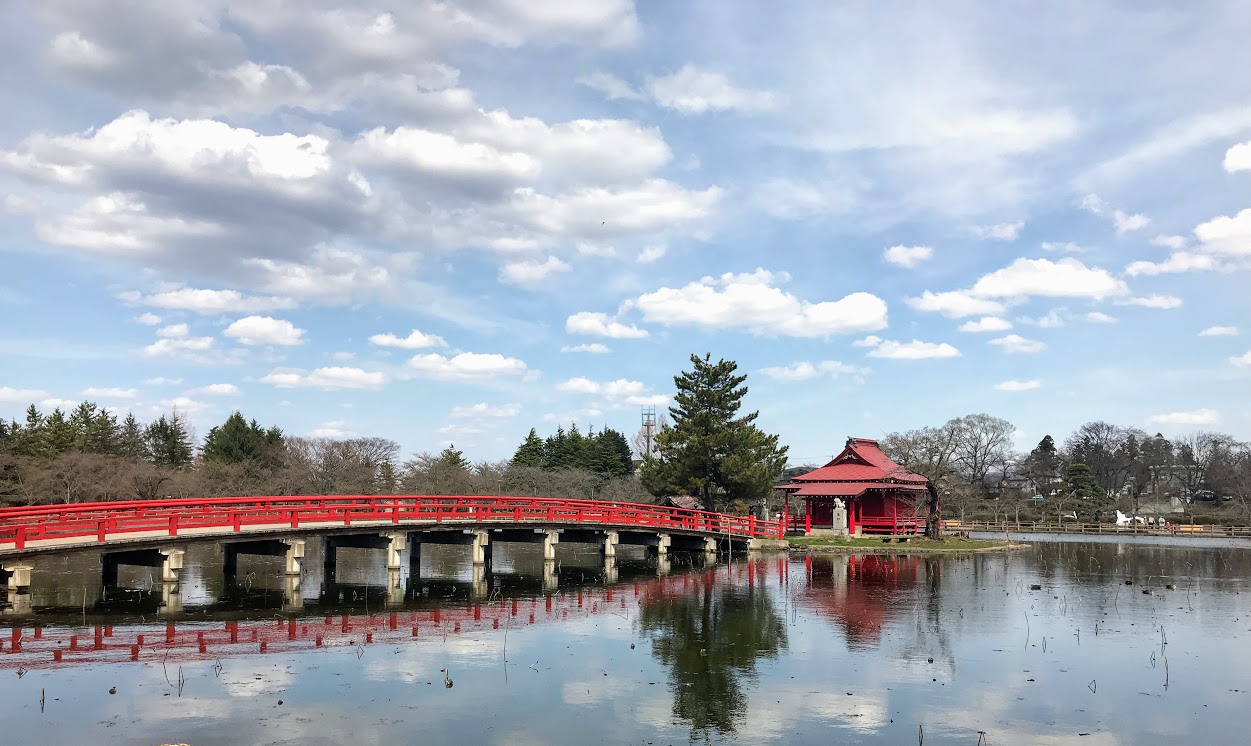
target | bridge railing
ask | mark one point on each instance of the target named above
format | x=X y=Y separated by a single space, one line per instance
x=100 y=522
x=1073 y=527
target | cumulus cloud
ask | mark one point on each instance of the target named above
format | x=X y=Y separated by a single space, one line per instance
x=914 y=350
x=690 y=90
x=162 y=381
x=1219 y=331
x=105 y=392
x=216 y=389
x=1128 y=223
x=328 y=379
x=263 y=330
x=1196 y=417
x=1153 y=301
x=482 y=409
x=1242 y=361
x=651 y=254
x=207 y=301
x=531 y=272
x=1018 y=385
x=1238 y=158
x=621 y=390
x=1099 y=317
x=753 y=303
x=10 y=395
x=1015 y=343
x=333 y=429
x=148 y=319
x=415 y=340
x=601 y=325
x=1228 y=236
x=594 y=347
x=955 y=304
x=179 y=346
x=803 y=371
x=986 y=324
x=999 y=231
x=1179 y=262
x=467 y=366
x=907 y=256
x=1064 y=278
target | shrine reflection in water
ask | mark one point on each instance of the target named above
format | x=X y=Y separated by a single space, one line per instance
x=822 y=649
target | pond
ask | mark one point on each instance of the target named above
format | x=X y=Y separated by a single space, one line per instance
x=1057 y=643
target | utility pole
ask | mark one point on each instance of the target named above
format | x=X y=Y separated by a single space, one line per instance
x=649 y=427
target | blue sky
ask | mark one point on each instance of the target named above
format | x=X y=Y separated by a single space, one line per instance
x=449 y=224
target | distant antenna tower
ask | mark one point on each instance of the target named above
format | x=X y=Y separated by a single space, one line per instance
x=649 y=427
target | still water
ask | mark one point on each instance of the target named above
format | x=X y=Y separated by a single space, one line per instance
x=1047 y=645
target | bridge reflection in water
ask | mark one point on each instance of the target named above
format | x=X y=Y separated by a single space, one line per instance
x=74 y=615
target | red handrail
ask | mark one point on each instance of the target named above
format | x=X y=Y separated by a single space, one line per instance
x=99 y=522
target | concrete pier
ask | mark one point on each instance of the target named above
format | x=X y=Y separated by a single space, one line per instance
x=169 y=561
x=292 y=550
x=15 y=576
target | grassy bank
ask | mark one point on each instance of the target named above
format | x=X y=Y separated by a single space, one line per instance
x=916 y=544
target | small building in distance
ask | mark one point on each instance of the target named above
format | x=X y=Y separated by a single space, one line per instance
x=881 y=497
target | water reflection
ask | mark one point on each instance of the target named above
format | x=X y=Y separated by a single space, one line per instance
x=711 y=636
x=1033 y=646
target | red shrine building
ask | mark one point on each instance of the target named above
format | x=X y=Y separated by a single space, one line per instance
x=880 y=496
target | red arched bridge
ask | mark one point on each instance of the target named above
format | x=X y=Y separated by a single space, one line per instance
x=141 y=532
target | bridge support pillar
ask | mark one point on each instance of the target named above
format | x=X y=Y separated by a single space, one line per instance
x=481 y=547
x=294 y=559
x=396 y=543
x=168 y=560
x=663 y=567
x=15 y=576
x=19 y=604
x=550 y=578
x=710 y=544
x=550 y=539
x=291 y=550
x=171 y=564
x=293 y=593
x=479 y=587
x=608 y=545
x=610 y=569
x=171 y=599
x=395 y=588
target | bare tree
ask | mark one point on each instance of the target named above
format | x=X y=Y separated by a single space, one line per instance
x=981 y=444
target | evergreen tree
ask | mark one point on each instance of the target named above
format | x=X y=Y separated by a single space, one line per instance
x=1080 y=482
x=167 y=441
x=1043 y=466
x=451 y=458
x=59 y=433
x=530 y=452
x=709 y=450
x=95 y=429
x=556 y=450
x=238 y=441
x=388 y=480
x=130 y=439
x=31 y=437
x=613 y=457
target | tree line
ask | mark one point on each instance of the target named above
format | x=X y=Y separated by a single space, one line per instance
x=1099 y=467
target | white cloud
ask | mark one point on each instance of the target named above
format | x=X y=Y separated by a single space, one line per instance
x=870 y=341
x=531 y=272
x=483 y=409
x=1094 y=204
x=330 y=275
x=415 y=340
x=752 y=302
x=173 y=331
x=1015 y=343
x=162 y=381
x=1042 y=277
x=600 y=325
x=619 y=387
x=333 y=429
x=1226 y=235
x=208 y=301
x=1176 y=243
x=594 y=347
x=263 y=330
x=611 y=86
x=1127 y=223
x=1153 y=301
x=178 y=347
x=343 y=357
x=328 y=379
x=1000 y=231
x=467 y=366
x=10 y=395
x=1238 y=158
x=1098 y=317
x=694 y=91
x=65 y=405
x=803 y=371
x=1179 y=262
x=148 y=319
x=1018 y=385
x=183 y=404
x=217 y=389
x=651 y=254
x=907 y=256
x=1242 y=361
x=1063 y=247
x=1219 y=331
x=109 y=393
x=1197 y=417
x=1053 y=319
x=914 y=350
x=986 y=324
x=955 y=304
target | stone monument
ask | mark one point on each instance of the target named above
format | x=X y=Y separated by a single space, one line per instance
x=840 y=519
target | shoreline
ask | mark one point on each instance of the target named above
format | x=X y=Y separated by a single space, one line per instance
x=1007 y=546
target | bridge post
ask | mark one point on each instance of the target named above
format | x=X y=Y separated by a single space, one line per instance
x=395 y=588
x=294 y=558
x=550 y=578
x=16 y=577
x=171 y=599
x=19 y=603
x=481 y=547
x=610 y=569
x=662 y=546
x=550 y=539
x=293 y=593
x=478 y=585
x=396 y=543
x=171 y=564
x=608 y=546
x=663 y=567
